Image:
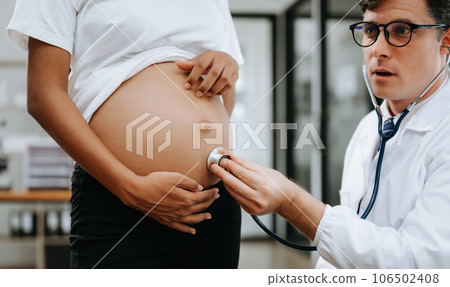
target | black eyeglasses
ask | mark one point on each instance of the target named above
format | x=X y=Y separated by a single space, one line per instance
x=397 y=33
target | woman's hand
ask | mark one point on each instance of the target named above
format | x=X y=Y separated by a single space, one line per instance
x=171 y=198
x=258 y=189
x=220 y=69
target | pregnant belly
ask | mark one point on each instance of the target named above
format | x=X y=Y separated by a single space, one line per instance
x=151 y=123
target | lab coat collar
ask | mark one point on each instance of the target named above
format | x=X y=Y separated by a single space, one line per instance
x=426 y=115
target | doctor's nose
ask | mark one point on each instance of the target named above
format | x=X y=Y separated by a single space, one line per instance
x=381 y=48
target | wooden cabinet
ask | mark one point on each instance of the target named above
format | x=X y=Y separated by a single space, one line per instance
x=39 y=201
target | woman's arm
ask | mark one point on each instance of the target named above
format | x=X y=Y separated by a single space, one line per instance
x=49 y=104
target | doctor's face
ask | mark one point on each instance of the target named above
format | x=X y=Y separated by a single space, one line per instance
x=399 y=75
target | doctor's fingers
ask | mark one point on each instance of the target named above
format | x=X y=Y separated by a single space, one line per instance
x=253 y=201
x=247 y=164
x=237 y=189
x=264 y=173
x=234 y=184
x=229 y=180
x=247 y=175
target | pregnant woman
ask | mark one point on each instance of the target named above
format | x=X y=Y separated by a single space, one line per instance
x=100 y=74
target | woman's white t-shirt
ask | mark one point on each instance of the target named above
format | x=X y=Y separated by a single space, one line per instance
x=112 y=40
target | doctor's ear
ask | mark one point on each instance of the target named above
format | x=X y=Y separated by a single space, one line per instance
x=446 y=50
x=446 y=42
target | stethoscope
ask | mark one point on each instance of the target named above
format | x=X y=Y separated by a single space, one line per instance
x=219 y=153
x=387 y=135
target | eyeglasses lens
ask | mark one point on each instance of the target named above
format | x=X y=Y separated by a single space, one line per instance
x=398 y=34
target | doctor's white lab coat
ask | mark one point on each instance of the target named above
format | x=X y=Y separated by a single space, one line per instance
x=409 y=225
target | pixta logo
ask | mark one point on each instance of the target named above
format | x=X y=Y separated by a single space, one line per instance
x=147 y=126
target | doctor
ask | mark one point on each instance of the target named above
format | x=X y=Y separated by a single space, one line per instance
x=408 y=225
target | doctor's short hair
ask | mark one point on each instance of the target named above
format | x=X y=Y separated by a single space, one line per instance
x=437 y=9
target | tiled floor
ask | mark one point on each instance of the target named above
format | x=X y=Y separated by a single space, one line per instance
x=270 y=254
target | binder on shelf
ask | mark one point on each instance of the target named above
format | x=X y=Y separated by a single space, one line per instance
x=48 y=166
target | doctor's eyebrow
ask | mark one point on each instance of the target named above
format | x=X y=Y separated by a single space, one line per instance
x=407 y=20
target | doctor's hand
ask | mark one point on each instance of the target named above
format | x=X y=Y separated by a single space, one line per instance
x=258 y=189
x=220 y=69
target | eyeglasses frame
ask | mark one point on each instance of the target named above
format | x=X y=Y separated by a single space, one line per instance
x=386 y=33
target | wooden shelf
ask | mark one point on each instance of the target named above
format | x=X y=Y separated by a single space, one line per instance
x=47 y=239
x=40 y=199
x=57 y=240
x=17 y=239
x=36 y=195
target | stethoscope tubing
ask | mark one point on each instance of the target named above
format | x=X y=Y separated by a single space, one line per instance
x=280 y=239
x=383 y=141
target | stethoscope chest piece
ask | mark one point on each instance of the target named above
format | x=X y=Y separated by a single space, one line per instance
x=215 y=156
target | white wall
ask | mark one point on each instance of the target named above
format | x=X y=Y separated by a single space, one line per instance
x=18 y=122
x=9 y=52
x=13 y=80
